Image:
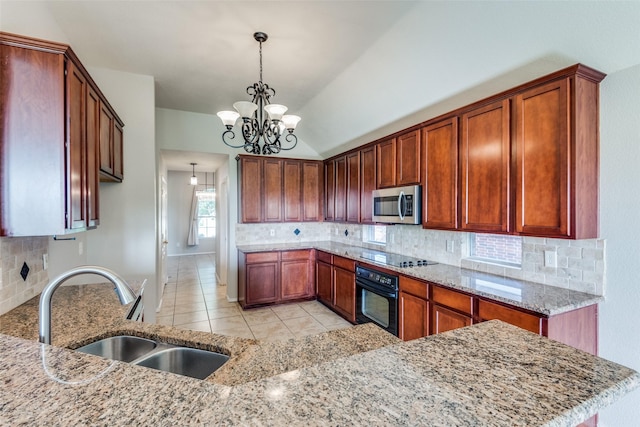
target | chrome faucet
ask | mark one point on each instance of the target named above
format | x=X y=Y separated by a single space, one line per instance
x=125 y=293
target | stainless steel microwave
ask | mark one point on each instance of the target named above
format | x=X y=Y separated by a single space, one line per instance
x=397 y=205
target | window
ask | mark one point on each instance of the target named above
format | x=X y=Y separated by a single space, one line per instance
x=376 y=234
x=206 y=213
x=496 y=248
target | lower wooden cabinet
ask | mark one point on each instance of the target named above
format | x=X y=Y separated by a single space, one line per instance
x=344 y=295
x=275 y=277
x=444 y=319
x=336 y=284
x=414 y=318
x=426 y=308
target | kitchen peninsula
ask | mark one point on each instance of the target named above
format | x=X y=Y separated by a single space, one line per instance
x=487 y=374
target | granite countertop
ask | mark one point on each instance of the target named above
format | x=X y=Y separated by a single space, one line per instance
x=86 y=313
x=490 y=374
x=543 y=299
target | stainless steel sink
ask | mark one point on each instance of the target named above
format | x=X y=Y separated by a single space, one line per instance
x=178 y=360
x=124 y=348
x=190 y=362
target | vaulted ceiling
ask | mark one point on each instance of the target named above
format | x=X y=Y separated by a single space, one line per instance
x=354 y=70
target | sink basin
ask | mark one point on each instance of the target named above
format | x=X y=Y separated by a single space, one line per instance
x=124 y=348
x=190 y=362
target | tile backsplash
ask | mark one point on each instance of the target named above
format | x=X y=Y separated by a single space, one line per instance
x=14 y=252
x=580 y=263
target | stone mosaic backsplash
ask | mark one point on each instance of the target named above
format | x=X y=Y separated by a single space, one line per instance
x=14 y=252
x=580 y=263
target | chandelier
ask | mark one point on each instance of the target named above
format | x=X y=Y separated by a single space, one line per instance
x=256 y=126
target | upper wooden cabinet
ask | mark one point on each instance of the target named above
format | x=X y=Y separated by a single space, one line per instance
x=367 y=183
x=340 y=192
x=312 y=190
x=386 y=163
x=353 y=187
x=485 y=153
x=329 y=190
x=398 y=160
x=279 y=189
x=50 y=156
x=250 y=183
x=556 y=150
x=272 y=205
x=440 y=186
x=408 y=164
x=111 y=161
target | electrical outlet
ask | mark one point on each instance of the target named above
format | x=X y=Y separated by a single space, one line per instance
x=450 y=246
x=272 y=232
x=550 y=259
x=45 y=261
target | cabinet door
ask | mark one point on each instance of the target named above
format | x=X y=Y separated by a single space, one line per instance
x=296 y=274
x=489 y=311
x=344 y=294
x=292 y=190
x=118 y=155
x=485 y=164
x=440 y=189
x=341 y=189
x=93 y=157
x=329 y=190
x=312 y=191
x=353 y=187
x=408 y=158
x=262 y=283
x=324 y=282
x=272 y=201
x=443 y=319
x=386 y=163
x=367 y=183
x=76 y=150
x=250 y=189
x=295 y=279
x=106 y=139
x=414 y=315
x=542 y=162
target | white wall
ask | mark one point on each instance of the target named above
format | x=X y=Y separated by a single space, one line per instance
x=180 y=194
x=223 y=223
x=619 y=209
x=125 y=241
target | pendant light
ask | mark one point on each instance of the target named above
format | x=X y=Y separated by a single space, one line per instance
x=194 y=178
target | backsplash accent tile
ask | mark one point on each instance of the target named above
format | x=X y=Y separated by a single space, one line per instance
x=581 y=264
x=14 y=252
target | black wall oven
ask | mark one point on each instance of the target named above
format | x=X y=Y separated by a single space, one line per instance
x=377 y=298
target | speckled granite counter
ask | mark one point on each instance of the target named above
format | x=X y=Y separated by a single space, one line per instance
x=539 y=298
x=85 y=313
x=490 y=374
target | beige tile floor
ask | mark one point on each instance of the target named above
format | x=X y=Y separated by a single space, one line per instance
x=193 y=300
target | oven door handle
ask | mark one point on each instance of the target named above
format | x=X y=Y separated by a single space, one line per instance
x=380 y=290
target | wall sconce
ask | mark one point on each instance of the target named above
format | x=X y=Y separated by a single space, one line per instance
x=194 y=178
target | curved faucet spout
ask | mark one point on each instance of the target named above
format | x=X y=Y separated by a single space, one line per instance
x=124 y=291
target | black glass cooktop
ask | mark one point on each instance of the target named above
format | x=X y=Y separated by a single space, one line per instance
x=396 y=260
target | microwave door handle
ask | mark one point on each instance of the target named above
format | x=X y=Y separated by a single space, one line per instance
x=401 y=205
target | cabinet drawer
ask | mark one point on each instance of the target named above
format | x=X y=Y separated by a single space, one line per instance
x=291 y=255
x=452 y=299
x=325 y=257
x=347 y=264
x=255 y=257
x=490 y=311
x=414 y=287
